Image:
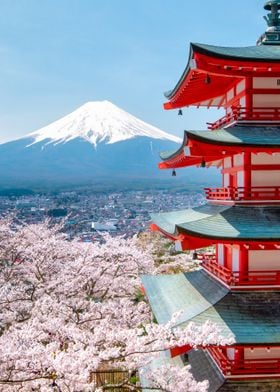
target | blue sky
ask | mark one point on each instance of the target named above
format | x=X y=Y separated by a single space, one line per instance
x=56 y=55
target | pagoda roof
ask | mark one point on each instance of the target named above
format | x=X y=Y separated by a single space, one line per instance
x=210 y=145
x=204 y=368
x=238 y=135
x=211 y=70
x=248 y=317
x=220 y=222
x=193 y=293
x=256 y=53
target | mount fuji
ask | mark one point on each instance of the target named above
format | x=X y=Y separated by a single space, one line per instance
x=98 y=122
x=96 y=142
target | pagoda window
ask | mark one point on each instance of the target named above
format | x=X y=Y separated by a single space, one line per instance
x=227 y=163
x=266 y=159
x=262 y=353
x=230 y=353
x=240 y=86
x=235 y=258
x=230 y=95
x=264 y=260
x=242 y=102
x=226 y=180
x=240 y=179
x=235 y=96
x=266 y=100
x=220 y=254
x=266 y=83
x=266 y=169
x=265 y=178
x=238 y=159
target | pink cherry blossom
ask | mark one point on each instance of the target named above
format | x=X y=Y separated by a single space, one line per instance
x=69 y=308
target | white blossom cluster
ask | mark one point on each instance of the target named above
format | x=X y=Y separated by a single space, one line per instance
x=68 y=309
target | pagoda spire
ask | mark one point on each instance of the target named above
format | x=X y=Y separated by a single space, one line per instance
x=272 y=34
x=273 y=18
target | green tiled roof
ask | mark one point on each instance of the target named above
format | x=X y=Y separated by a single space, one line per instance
x=233 y=136
x=237 y=135
x=251 y=317
x=180 y=293
x=254 y=53
x=223 y=222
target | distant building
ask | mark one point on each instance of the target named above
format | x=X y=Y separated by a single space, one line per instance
x=108 y=226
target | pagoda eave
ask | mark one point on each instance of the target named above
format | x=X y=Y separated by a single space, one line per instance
x=198 y=93
x=212 y=224
x=210 y=71
x=186 y=242
x=185 y=161
x=189 y=240
x=204 y=148
x=208 y=147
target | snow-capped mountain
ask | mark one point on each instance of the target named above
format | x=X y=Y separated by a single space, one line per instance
x=96 y=142
x=98 y=122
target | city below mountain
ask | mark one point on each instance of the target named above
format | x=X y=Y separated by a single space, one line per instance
x=98 y=142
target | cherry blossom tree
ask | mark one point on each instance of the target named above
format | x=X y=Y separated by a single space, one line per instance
x=69 y=308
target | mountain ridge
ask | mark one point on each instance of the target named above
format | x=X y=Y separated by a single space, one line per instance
x=88 y=146
x=97 y=122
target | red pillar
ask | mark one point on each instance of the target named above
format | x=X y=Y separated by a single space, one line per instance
x=228 y=256
x=247 y=155
x=247 y=175
x=243 y=263
x=238 y=357
x=249 y=96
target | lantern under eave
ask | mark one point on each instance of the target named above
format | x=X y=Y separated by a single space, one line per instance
x=238 y=287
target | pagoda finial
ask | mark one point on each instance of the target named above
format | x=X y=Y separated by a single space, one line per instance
x=273 y=18
x=272 y=34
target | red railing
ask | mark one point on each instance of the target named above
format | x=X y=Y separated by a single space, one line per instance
x=239 y=114
x=257 y=193
x=221 y=272
x=244 y=366
x=242 y=278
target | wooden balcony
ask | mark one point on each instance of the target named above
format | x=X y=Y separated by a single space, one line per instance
x=242 y=278
x=263 y=115
x=244 y=366
x=269 y=194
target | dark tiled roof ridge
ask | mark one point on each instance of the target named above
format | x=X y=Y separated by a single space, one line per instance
x=260 y=53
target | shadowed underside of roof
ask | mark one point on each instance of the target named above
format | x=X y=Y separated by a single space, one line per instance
x=203 y=368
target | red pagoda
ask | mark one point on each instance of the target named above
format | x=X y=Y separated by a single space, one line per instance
x=238 y=287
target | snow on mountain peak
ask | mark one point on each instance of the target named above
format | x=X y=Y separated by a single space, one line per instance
x=96 y=122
